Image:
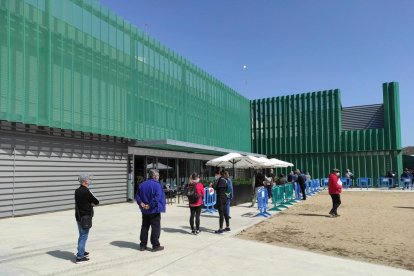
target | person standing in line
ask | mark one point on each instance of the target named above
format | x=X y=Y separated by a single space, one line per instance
x=217 y=174
x=229 y=192
x=302 y=183
x=258 y=183
x=308 y=176
x=335 y=189
x=270 y=183
x=281 y=180
x=221 y=189
x=290 y=177
x=150 y=198
x=195 y=208
x=84 y=202
x=349 y=177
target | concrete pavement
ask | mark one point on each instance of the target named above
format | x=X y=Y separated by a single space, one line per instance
x=45 y=245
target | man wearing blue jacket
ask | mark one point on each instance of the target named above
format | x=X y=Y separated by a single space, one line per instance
x=150 y=198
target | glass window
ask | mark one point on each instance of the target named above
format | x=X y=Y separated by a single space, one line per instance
x=162 y=166
x=172 y=173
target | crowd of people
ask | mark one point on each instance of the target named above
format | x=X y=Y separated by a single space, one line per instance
x=151 y=200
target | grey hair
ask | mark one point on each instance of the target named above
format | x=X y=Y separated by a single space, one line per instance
x=153 y=172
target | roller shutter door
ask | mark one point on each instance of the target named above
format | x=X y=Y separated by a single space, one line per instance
x=39 y=174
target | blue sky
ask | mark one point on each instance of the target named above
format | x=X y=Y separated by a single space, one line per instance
x=291 y=46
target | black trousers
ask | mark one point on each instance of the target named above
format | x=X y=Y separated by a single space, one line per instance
x=195 y=212
x=336 y=201
x=222 y=210
x=303 y=190
x=153 y=220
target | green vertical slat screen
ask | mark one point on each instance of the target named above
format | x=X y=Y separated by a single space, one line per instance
x=76 y=65
x=312 y=138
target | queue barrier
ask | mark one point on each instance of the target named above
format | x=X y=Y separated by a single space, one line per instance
x=364 y=181
x=278 y=198
x=385 y=182
x=262 y=198
x=406 y=183
x=324 y=183
x=346 y=182
x=209 y=200
x=308 y=188
x=289 y=194
x=297 y=192
x=316 y=185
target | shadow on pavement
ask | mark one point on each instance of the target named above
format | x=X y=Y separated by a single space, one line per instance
x=250 y=214
x=403 y=207
x=65 y=255
x=125 y=244
x=174 y=230
x=314 y=215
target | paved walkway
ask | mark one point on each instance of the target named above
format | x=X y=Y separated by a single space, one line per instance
x=45 y=245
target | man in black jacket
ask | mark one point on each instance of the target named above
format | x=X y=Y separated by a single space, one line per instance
x=302 y=183
x=84 y=202
x=258 y=183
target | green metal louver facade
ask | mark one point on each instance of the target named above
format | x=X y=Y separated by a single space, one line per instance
x=76 y=65
x=306 y=129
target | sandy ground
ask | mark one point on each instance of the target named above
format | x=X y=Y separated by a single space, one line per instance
x=375 y=227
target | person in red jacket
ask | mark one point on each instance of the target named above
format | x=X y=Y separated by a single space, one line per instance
x=335 y=189
x=195 y=207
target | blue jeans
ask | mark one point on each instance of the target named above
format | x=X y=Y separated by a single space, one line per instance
x=228 y=206
x=83 y=236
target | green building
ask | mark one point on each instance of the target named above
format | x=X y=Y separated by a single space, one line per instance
x=83 y=90
x=315 y=133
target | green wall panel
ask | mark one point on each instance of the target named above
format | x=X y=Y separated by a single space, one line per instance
x=309 y=134
x=76 y=65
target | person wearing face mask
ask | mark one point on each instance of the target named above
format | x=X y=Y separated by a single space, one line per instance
x=84 y=202
x=335 y=189
x=217 y=174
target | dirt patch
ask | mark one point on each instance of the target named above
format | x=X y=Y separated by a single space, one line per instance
x=375 y=227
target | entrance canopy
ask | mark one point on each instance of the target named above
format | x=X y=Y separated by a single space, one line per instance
x=181 y=146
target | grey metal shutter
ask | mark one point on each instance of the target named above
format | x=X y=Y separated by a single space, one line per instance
x=39 y=174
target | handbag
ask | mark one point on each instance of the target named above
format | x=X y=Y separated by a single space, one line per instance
x=85 y=220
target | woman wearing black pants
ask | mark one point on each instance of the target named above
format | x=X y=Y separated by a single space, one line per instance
x=221 y=189
x=195 y=207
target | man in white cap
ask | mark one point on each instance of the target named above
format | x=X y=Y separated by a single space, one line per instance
x=84 y=202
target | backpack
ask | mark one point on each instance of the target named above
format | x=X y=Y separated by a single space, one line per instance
x=192 y=194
